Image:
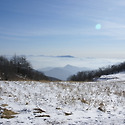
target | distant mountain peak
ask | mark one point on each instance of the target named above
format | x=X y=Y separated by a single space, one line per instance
x=68 y=65
x=63 y=72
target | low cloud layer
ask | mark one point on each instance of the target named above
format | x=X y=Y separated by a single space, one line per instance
x=39 y=62
x=61 y=56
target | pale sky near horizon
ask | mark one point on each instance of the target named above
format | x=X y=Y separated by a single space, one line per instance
x=80 y=28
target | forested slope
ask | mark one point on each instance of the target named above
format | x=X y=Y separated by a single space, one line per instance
x=18 y=68
x=94 y=74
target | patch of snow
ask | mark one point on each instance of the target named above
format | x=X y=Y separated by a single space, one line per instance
x=113 y=77
x=64 y=103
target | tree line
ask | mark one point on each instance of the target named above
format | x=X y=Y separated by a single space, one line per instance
x=95 y=74
x=18 y=68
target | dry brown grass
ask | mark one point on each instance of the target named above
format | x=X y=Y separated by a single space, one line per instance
x=1 y=98
x=7 y=114
x=38 y=110
x=4 y=105
x=42 y=116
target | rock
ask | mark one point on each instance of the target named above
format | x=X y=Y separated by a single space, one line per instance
x=42 y=116
x=68 y=113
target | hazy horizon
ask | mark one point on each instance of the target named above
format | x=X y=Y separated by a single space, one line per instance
x=45 y=61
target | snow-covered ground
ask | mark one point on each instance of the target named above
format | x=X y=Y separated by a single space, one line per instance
x=63 y=103
x=113 y=77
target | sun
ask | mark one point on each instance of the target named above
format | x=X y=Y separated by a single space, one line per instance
x=98 y=26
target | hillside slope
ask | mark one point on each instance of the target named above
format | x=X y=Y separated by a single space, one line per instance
x=95 y=74
x=62 y=103
x=18 y=68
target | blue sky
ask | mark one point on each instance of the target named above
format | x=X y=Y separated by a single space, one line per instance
x=62 y=27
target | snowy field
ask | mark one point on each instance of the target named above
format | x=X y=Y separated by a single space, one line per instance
x=63 y=103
